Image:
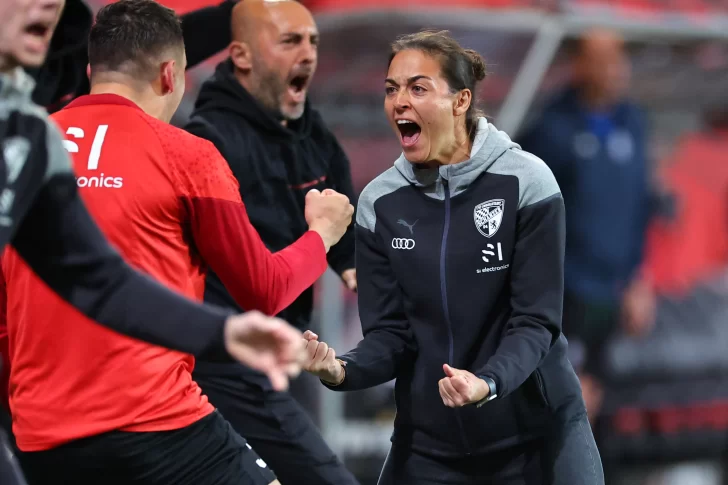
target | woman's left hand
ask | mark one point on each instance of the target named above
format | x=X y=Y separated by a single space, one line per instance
x=460 y=388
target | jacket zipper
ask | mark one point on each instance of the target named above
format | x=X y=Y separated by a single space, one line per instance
x=445 y=308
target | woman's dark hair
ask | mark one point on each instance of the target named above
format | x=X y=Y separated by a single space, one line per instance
x=461 y=68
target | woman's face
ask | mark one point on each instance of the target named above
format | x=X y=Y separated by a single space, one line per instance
x=420 y=107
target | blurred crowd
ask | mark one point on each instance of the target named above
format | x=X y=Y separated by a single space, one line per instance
x=646 y=304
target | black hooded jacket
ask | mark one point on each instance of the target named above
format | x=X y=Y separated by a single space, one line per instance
x=63 y=77
x=275 y=166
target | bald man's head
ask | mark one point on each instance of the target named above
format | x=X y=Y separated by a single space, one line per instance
x=601 y=65
x=274 y=51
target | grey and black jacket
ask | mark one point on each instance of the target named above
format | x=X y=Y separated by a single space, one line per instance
x=463 y=264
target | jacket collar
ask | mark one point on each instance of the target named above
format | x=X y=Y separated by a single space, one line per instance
x=16 y=84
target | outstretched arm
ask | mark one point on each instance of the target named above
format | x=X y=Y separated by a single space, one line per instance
x=61 y=243
x=388 y=342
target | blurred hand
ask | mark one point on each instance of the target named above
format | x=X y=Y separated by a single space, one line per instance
x=329 y=214
x=266 y=344
x=460 y=387
x=349 y=277
x=593 y=394
x=638 y=308
x=321 y=360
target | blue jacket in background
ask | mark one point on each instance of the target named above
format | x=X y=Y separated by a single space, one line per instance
x=600 y=163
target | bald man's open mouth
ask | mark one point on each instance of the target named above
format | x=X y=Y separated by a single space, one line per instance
x=298 y=86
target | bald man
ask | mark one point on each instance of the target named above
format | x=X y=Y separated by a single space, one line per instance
x=256 y=112
x=595 y=141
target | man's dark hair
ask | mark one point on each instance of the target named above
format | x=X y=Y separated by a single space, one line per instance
x=130 y=35
x=462 y=68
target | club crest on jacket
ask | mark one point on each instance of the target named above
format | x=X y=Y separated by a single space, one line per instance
x=488 y=216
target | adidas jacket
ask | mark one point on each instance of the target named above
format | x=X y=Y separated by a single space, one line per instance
x=464 y=265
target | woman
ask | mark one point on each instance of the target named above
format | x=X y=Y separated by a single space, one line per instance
x=460 y=250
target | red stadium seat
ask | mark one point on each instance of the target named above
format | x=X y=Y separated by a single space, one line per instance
x=318 y=5
x=684 y=252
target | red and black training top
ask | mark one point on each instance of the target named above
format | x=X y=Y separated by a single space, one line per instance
x=168 y=201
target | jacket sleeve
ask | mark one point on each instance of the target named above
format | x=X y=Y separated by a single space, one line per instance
x=64 y=247
x=57 y=238
x=227 y=241
x=341 y=256
x=4 y=344
x=388 y=342
x=536 y=285
x=545 y=140
x=206 y=31
x=62 y=76
x=658 y=203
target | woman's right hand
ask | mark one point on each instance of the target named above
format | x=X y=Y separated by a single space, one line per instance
x=321 y=360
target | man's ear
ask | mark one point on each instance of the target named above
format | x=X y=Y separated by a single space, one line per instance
x=462 y=102
x=167 y=77
x=88 y=71
x=241 y=55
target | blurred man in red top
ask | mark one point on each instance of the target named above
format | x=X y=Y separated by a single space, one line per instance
x=90 y=406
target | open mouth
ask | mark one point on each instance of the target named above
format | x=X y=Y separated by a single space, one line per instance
x=37 y=29
x=409 y=131
x=297 y=87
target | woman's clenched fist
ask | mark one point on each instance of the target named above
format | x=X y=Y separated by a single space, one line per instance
x=321 y=360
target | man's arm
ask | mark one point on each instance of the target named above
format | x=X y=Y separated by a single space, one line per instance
x=206 y=31
x=61 y=243
x=256 y=278
x=342 y=256
x=542 y=138
x=4 y=343
x=537 y=287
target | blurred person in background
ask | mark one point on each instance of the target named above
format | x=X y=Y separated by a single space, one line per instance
x=63 y=76
x=256 y=112
x=594 y=139
x=91 y=406
x=459 y=254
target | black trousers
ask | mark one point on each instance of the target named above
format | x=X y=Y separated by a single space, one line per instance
x=10 y=473
x=208 y=452
x=568 y=457
x=276 y=426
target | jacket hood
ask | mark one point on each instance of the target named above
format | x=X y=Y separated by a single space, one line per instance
x=223 y=92
x=490 y=143
x=72 y=30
